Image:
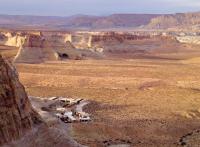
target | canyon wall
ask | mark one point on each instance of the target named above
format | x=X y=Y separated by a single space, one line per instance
x=112 y=37
x=15 y=40
x=20 y=125
x=178 y=21
x=106 y=41
x=38 y=48
x=16 y=113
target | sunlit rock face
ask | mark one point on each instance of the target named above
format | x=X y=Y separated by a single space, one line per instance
x=112 y=37
x=15 y=39
x=16 y=113
x=44 y=47
x=187 y=21
x=40 y=48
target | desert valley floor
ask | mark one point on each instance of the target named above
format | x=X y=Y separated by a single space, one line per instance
x=107 y=80
x=142 y=92
x=147 y=102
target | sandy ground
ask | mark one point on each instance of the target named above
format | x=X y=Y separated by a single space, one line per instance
x=51 y=133
x=153 y=100
x=142 y=102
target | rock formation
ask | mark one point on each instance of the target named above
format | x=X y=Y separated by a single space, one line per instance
x=87 y=22
x=14 y=39
x=20 y=125
x=80 y=40
x=179 y=20
x=75 y=21
x=16 y=113
x=104 y=42
x=189 y=39
x=115 y=37
x=39 y=48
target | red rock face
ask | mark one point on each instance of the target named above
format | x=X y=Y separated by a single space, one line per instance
x=51 y=41
x=112 y=36
x=16 y=113
x=34 y=41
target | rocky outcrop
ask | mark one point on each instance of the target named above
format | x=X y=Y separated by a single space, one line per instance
x=20 y=125
x=120 y=37
x=80 y=40
x=16 y=113
x=189 y=39
x=15 y=40
x=113 y=38
x=45 y=46
x=39 y=48
x=179 y=20
x=41 y=40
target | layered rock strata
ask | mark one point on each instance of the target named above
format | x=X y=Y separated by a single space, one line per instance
x=16 y=113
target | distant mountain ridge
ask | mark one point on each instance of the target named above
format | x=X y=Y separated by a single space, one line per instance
x=77 y=21
x=179 y=20
x=148 y=21
x=111 y=21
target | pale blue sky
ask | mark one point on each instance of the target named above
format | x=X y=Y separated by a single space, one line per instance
x=95 y=7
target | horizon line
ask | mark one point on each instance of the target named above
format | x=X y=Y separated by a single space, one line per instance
x=97 y=15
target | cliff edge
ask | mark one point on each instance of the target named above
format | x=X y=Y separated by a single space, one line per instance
x=16 y=113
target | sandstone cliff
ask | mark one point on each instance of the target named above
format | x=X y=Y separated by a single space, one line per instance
x=16 y=113
x=14 y=39
x=116 y=37
x=20 y=125
x=114 y=40
x=179 y=20
x=39 y=48
x=51 y=46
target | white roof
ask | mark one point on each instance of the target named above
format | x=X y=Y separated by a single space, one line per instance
x=85 y=118
x=66 y=99
x=69 y=115
x=60 y=109
x=58 y=114
x=83 y=113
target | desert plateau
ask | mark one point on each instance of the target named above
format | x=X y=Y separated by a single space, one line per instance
x=120 y=80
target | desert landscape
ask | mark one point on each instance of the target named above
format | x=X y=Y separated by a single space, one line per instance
x=143 y=89
x=120 y=80
x=140 y=101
